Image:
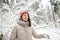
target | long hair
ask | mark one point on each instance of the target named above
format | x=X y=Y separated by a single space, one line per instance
x=28 y=19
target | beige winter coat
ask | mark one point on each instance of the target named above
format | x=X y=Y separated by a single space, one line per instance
x=22 y=31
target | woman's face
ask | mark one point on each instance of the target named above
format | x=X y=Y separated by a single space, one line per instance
x=25 y=17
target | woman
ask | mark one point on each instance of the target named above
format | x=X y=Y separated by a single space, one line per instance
x=23 y=30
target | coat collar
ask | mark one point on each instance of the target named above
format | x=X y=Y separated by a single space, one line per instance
x=20 y=22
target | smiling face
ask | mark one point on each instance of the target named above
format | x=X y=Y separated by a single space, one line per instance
x=25 y=17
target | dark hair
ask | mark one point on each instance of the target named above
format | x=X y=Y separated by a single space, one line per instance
x=28 y=20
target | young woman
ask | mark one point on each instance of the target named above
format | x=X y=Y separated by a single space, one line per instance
x=23 y=30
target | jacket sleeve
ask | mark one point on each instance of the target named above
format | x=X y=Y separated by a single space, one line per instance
x=13 y=34
x=37 y=35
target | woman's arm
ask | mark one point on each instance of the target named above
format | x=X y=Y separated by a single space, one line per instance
x=13 y=34
x=38 y=35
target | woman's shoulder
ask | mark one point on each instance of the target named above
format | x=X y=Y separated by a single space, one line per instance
x=31 y=28
x=15 y=26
